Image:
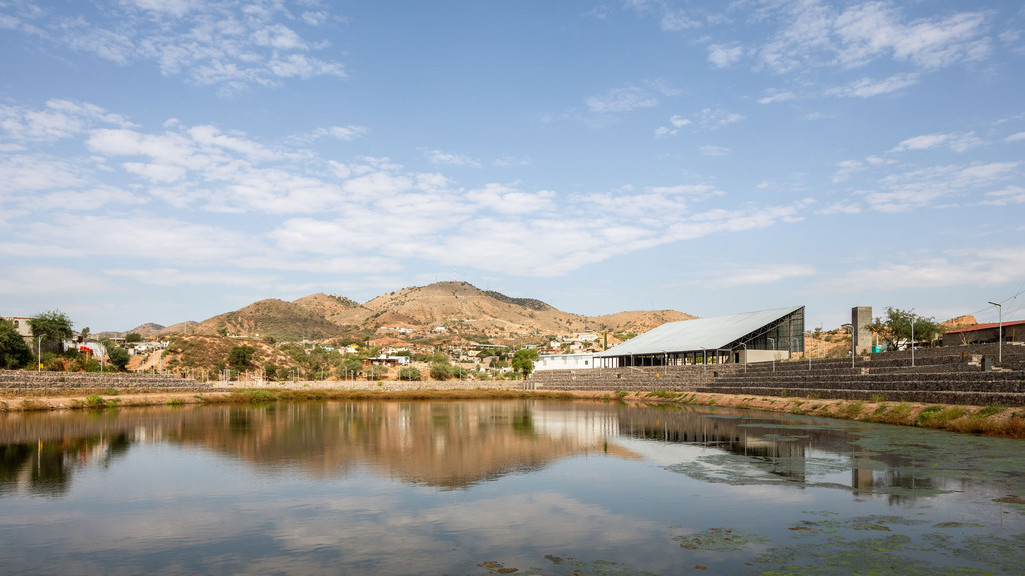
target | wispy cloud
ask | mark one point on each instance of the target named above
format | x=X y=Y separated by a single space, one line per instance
x=955 y=142
x=675 y=123
x=712 y=150
x=938 y=185
x=211 y=43
x=450 y=159
x=868 y=87
x=723 y=55
x=622 y=100
x=817 y=34
x=717 y=117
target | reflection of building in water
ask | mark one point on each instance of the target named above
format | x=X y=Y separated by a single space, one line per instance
x=736 y=435
x=450 y=444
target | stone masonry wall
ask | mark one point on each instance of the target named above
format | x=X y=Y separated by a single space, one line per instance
x=949 y=376
x=21 y=381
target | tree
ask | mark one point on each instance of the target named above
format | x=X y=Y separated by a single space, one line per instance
x=349 y=367
x=897 y=330
x=133 y=338
x=240 y=357
x=118 y=357
x=14 y=352
x=523 y=361
x=53 y=326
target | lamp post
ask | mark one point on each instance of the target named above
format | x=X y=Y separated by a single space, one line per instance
x=773 y=340
x=1000 y=332
x=912 y=340
x=39 y=353
x=852 y=341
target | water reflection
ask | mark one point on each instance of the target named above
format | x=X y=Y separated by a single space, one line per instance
x=455 y=445
x=479 y=487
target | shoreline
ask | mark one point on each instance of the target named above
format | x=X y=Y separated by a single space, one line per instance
x=998 y=421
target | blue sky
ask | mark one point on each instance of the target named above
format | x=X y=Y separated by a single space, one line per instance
x=163 y=160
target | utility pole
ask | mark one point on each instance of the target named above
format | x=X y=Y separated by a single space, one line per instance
x=1000 y=333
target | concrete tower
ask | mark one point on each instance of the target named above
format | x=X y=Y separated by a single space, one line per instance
x=861 y=316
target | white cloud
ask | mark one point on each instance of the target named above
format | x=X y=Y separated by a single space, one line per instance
x=867 y=87
x=817 y=34
x=956 y=142
x=675 y=123
x=345 y=133
x=218 y=43
x=1006 y=197
x=975 y=267
x=711 y=150
x=846 y=169
x=773 y=96
x=50 y=280
x=450 y=159
x=717 y=118
x=622 y=100
x=721 y=55
x=937 y=185
x=1015 y=137
x=756 y=275
x=508 y=200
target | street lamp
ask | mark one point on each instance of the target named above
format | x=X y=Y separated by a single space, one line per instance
x=39 y=353
x=912 y=340
x=773 y=340
x=1000 y=333
x=852 y=341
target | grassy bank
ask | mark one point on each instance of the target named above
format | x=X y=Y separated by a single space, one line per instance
x=992 y=420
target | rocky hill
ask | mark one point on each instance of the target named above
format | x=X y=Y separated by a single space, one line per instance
x=445 y=310
x=275 y=318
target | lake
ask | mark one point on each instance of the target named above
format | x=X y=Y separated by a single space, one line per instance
x=500 y=487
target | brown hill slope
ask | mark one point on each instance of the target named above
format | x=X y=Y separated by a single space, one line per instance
x=459 y=307
x=275 y=318
x=462 y=307
x=638 y=321
x=337 y=309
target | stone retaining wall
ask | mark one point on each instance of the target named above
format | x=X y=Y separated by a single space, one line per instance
x=22 y=381
x=949 y=376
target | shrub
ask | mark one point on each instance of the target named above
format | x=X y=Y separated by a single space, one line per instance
x=410 y=373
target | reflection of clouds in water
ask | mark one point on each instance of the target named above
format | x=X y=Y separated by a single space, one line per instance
x=435 y=536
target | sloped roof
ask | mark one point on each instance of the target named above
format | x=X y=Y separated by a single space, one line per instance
x=991 y=325
x=701 y=333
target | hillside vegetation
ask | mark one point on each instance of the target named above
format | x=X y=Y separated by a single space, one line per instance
x=440 y=313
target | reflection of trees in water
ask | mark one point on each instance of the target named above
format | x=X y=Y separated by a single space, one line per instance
x=448 y=444
x=46 y=467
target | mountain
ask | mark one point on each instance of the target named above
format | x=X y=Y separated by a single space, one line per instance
x=147 y=329
x=336 y=309
x=272 y=317
x=420 y=313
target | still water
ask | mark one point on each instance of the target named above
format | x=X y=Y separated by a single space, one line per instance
x=500 y=487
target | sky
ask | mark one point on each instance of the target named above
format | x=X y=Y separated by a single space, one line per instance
x=170 y=160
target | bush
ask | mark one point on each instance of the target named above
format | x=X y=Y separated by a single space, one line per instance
x=118 y=357
x=410 y=373
x=441 y=371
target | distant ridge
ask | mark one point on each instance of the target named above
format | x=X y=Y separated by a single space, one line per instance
x=443 y=311
x=525 y=302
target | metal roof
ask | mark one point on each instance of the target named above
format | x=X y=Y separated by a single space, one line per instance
x=697 y=334
x=988 y=326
